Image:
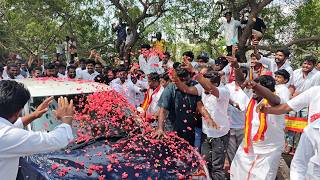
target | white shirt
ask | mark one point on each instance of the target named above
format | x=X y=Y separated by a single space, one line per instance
x=153 y=107
x=84 y=75
x=306 y=161
x=217 y=108
x=271 y=63
x=309 y=98
x=237 y=116
x=316 y=79
x=128 y=90
x=302 y=83
x=274 y=136
x=230 y=31
x=62 y=76
x=150 y=65
x=60 y=48
x=16 y=77
x=16 y=142
x=78 y=71
x=283 y=91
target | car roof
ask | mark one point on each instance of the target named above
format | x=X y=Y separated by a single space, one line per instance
x=42 y=87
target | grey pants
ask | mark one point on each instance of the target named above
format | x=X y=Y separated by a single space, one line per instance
x=214 y=151
x=236 y=137
x=283 y=170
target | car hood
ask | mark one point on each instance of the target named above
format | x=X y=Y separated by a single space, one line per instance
x=94 y=160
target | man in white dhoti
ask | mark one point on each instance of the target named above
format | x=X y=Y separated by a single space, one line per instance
x=259 y=154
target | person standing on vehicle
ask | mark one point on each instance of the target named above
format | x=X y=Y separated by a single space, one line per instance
x=14 y=140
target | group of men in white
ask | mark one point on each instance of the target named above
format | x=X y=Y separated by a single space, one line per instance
x=252 y=111
x=247 y=103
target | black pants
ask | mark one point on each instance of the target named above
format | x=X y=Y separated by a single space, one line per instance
x=214 y=150
x=188 y=135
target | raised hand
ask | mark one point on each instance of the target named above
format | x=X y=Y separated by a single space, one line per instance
x=65 y=110
x=186 y=64
x=232 y=60
x=42 y=108
x=173 y=75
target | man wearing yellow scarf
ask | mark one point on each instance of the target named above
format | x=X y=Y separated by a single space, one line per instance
x=259 y=154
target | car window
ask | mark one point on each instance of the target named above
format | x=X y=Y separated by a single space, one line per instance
x=48 y=121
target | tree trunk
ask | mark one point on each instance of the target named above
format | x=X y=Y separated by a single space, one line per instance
x=246 y=33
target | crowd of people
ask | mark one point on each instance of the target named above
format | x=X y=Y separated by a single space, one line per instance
x=224 y=108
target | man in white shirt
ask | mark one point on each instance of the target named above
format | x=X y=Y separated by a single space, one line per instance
x=303 y=78
x=236 y=111
x=282 y=77
x=89 y=73
x=82 y=66
x=229 y=28
x=62 y=71
x=14 y=140
x=148 y=61
x=125 y=87
x=152 y=96
x=71 y=72
x=259 y=154
x=12 y=72
x=281 y=61
x=305 y=163
x=215 y=142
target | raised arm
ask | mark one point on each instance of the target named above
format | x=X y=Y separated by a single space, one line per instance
x=264 y=92
x=239 y=78
x=30 y=60
x=41 y=109
x=204 y=82
x=207 y=85
x=182 y=86
x=277 y=110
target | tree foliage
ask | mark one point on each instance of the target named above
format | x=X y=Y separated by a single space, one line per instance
x=35 y=25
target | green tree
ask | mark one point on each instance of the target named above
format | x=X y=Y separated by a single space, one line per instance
x=34 y=26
